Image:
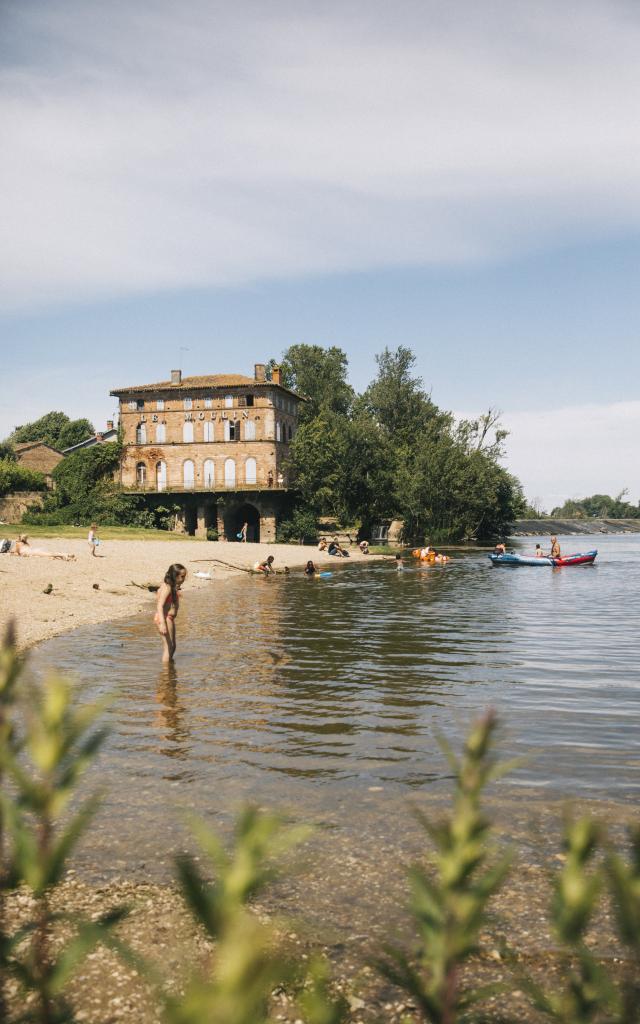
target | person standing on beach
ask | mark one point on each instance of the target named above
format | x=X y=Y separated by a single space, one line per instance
x=243 y=533
x=93 y=540
x=167 y=608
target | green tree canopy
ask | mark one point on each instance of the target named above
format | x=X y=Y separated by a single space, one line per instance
x=55 y=429
x=320 y=374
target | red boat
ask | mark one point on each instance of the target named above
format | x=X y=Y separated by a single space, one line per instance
x=582 y=559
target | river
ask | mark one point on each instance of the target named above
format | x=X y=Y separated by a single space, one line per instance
x=325 y=697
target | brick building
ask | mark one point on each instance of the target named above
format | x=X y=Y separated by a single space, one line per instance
x=216 y=444
x=40 y=456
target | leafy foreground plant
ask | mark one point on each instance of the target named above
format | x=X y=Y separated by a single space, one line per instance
x=587 y=993
x=249 y=962
x=449 y=902
x=44 y=766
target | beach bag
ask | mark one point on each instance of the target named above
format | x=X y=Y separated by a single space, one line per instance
x=5 y=546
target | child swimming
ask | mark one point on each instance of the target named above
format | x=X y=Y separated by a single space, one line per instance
x=167 y=608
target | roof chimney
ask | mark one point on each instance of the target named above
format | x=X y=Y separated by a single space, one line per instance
x=276 y=376
x=109 y=424
x=176 y=376
x=260 y=372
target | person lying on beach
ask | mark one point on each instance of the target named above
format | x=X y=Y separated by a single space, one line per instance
x=265 y=566
x=310 y=569
x=24 y=550
x=167 y=608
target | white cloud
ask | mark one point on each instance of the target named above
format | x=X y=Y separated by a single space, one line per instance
x=165 y=146
x=576 y=451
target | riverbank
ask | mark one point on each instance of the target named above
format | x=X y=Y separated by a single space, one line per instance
x=346 y=901
x=94 y=590
x=573 y=527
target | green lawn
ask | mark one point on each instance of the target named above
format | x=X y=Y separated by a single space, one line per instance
x=105 y=532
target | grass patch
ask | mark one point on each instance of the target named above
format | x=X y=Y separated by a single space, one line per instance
x=105 y=532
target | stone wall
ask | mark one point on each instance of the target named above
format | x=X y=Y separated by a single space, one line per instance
x=13 y=506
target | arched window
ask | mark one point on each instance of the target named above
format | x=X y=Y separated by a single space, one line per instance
x=141 y=433
x=161 y=433
x=209 y=474
x=229 y=473
x=188 y=475
x=278 y=431
x=161 y=476
x=250 y=468
x=187 y=431
x=208 y=431
x=249 y=430
x=141 y=474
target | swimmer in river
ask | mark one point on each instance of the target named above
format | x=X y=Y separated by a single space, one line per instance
x=167 y=608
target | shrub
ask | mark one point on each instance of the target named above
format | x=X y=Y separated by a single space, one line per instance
x=14 y=477
x=302 y=528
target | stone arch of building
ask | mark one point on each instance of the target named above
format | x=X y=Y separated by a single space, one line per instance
x=236 y=516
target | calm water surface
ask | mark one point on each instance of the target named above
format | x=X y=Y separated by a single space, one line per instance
x=314 y=694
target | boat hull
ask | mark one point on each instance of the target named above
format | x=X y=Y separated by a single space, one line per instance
x=582 y=558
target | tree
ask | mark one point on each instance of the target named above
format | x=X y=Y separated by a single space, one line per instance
x=320 y=374
x=55 y=429
x=397 y=400
x=316 y=463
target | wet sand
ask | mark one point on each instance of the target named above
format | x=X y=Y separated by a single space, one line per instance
x=75 y=601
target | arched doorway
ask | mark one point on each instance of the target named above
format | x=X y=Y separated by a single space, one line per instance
x=236 y=517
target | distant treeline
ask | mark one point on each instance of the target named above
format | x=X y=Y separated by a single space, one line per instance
x=598 y=506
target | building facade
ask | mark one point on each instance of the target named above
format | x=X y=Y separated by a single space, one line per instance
x=218 y=445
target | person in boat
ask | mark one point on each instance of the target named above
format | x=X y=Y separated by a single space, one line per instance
x=310 y=569
x=500 y=549
x=167 y=609
x=427 y=552
x=555 y=548
x=265 y=566
x=539 y=551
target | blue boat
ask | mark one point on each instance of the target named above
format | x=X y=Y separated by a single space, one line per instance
x=511 y=558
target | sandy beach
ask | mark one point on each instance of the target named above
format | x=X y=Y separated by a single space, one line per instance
x=74 y=599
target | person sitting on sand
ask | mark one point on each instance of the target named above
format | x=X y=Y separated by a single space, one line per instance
x=167 y=608
x=555 y=548
x=322 y=544
x=310 y=569
x=24 y=550
x=265 y=566
x=364 y=547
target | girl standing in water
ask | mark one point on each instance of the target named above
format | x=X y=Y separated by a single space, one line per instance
x=167 y=608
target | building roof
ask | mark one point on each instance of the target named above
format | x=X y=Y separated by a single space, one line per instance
x=99 y=438
x=24 y=446
x=212 y=380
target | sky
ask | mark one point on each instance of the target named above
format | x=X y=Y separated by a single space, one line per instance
x=201 y=185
